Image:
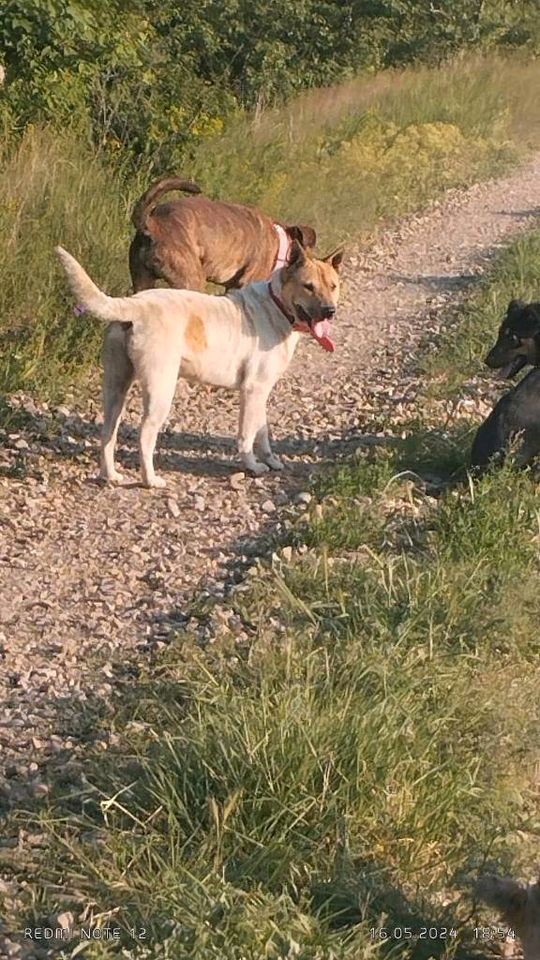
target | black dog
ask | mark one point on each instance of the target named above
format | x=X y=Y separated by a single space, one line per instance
x=518 y=342
x=516 y=417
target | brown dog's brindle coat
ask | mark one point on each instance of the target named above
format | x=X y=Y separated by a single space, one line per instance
x=190 y=241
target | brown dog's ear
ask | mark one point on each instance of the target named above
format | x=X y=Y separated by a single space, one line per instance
x=297 y=255
x=305 y=235
x=335 y=258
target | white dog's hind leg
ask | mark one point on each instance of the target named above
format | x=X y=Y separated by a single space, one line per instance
x=252 y=421
x=262 y=444
x=117 y=379
x=158 y=393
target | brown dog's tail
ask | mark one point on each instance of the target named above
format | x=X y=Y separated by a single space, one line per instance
x=141 y=210
x=92 y=299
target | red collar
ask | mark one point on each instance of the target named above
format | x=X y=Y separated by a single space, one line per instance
x=281 y=306
x=299 y=326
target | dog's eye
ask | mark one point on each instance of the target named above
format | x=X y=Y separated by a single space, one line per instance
x=309 y=286
x=515 y=341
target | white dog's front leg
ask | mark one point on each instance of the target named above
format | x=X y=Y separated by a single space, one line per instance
x=252 y=421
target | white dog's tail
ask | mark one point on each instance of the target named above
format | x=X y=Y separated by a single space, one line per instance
x=123 y=309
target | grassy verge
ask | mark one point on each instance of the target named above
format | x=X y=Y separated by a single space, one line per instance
x=52 y=190
x=354 y=764
x=347 y=157
x=456 y=359
x=344 y=159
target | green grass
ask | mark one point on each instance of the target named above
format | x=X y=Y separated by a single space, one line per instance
x=52 y=190
x=378 y=146
x=344 y=159
x=463 y=346
x=360 y=760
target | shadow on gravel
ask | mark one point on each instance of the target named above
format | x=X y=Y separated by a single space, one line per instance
x=519 y=214
x=435 y=459
x=365 y=892
x=439 y=283
x=29 y=437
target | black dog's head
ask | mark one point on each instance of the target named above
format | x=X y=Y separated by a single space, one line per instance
x=518 y=342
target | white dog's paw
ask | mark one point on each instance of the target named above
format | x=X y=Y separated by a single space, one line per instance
x=257 y=468
x=157 y=483
x=114 y=476
x=274 y=462
x=252 y=465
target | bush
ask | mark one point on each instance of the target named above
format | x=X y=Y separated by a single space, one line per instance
x=156 y=79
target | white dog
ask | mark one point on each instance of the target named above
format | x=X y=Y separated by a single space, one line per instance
x=243 y=341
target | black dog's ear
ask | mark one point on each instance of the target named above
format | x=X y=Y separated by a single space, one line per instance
x=515 y=305
x=305 y=235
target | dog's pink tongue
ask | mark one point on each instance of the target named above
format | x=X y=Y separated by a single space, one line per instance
x=321 y=333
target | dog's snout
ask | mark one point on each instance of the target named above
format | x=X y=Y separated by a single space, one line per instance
x=328 y=311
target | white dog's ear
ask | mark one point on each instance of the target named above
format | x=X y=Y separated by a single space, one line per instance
x=297 y=255
x=335 y=258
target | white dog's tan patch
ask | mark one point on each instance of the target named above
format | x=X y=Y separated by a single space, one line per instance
x=195 y=335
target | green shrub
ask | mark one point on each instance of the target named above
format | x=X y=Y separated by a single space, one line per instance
x=157 y=79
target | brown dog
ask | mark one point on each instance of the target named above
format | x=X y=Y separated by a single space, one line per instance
x=189 y=241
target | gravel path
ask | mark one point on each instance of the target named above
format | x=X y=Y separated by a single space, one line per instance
x=91 y=575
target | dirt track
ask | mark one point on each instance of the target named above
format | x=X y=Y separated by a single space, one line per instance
x=88 y=573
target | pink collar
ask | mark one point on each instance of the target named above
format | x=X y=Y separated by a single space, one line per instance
x=284 y=246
